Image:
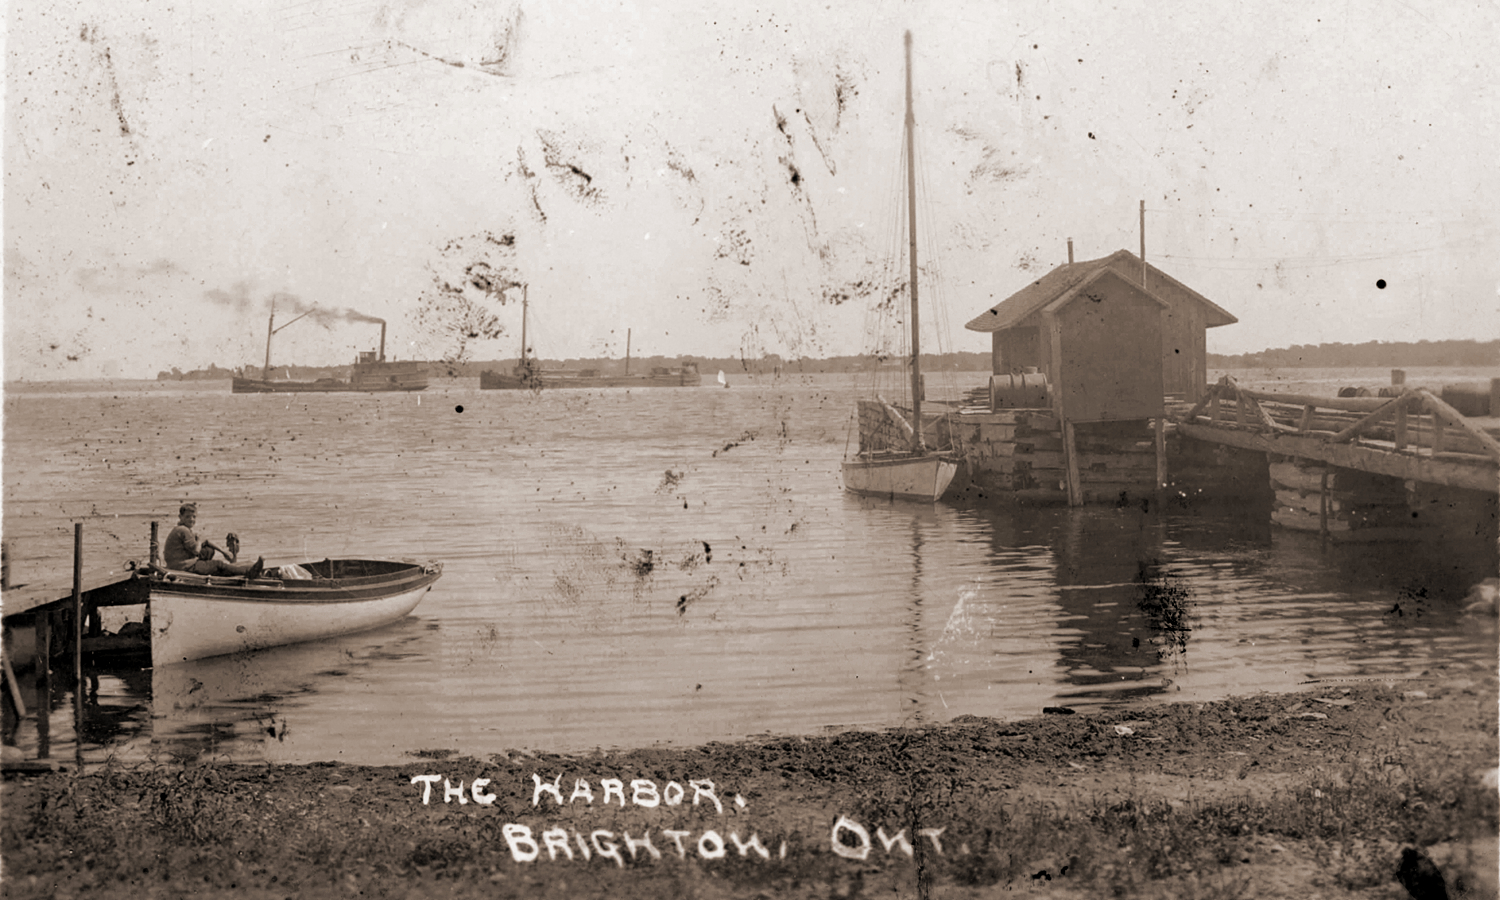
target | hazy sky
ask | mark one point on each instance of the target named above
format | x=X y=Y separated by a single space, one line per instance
x=721 y=178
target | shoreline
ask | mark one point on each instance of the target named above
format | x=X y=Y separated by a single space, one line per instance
x=1258 y=796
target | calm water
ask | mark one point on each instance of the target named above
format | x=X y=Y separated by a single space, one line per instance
x=627 y=568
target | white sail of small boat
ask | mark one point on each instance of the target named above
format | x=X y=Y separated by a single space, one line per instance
x=722 y=380
x=917 y=472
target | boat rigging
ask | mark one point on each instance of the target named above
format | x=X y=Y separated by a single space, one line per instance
x=881 y=470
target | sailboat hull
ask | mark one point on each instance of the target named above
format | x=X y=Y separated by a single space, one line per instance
x=924 y=478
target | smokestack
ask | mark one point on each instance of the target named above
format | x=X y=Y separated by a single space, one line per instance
x=382 y=340
x=1070 y=251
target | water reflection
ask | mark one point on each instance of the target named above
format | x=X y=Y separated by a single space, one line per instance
x=912 y=679
x=224 y=704
x=236 y=707
x=114 y=706
x=1109 y=562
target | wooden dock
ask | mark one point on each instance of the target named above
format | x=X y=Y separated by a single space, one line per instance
x=24 y=600
x=1414 y=436
x=48 y=622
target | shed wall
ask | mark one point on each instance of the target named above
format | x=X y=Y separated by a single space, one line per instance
x=1109 y=364
x=1183 y=349
x=1013 y=349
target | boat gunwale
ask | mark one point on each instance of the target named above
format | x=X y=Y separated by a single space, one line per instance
x=354 y=589
x=864 y=461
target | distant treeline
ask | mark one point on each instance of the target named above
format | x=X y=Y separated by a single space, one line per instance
x=293 y=373
x=763 y=365
x=1371 y=354
x=212 y=373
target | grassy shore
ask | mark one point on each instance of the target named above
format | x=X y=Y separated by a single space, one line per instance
x=1287 y=795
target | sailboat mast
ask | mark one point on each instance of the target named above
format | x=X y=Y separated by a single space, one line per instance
x=265 y=373
x=911 y=229
x=523 y=323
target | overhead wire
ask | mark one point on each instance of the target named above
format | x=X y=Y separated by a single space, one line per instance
x=883 y=319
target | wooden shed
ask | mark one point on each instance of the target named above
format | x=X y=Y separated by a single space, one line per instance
x=1096 y=352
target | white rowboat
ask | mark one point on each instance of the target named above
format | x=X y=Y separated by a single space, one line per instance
x=197 y=616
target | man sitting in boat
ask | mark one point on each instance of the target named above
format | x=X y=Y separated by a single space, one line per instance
x=185 y=553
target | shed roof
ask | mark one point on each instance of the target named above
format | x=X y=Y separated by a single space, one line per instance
x=1094 y=277
x=1065 y=279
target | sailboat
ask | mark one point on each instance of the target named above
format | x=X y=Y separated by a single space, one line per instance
x=526 y=374
x=915 y=472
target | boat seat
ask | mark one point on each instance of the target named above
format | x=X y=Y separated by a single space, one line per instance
x=187 y=577
x=176 y=575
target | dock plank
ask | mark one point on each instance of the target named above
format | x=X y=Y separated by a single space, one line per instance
x=27 y=597
x=1470 y=472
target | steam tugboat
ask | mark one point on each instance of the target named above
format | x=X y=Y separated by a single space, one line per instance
x=371 y=372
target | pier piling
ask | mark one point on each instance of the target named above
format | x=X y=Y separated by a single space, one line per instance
x=14 y=687
x=1161 y=452
x=1398 y=383
x=43 y=678
x=77 y=601
x=78 y=640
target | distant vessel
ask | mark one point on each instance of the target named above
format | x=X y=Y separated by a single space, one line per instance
x=914 y=472
x=371 y=372
x=528 y=375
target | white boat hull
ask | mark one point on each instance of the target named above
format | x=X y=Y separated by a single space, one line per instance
x=188 y=625
x=923 y=478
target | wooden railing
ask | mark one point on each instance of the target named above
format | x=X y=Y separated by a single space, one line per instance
x=1414 y=421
